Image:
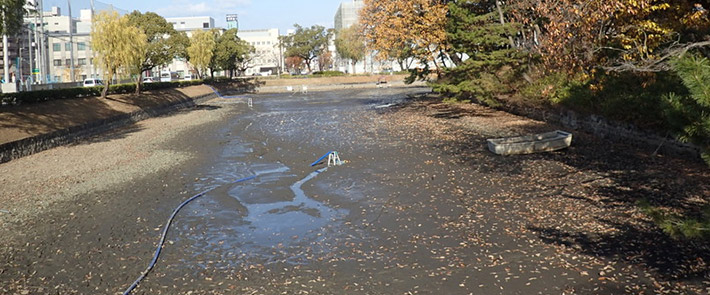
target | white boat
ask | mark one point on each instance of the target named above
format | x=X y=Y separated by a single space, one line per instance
x=545 y=142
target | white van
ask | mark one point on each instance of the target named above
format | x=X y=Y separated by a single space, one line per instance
x=91 y=82
x=188 y=77
x=168 y=76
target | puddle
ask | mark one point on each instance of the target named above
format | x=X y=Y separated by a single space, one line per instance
x=265 y=219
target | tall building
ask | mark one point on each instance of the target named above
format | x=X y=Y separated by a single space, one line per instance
x=268 y=57
x=348 y=14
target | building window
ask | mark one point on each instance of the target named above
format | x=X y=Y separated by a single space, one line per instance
x=67 y=46
x=206 y=25
x=57 y=46
x=83 y=77
x=91 y=61
x=81 y=46
x=68 y=62
x=57 y=79
x=81 y=61
x=57 y=62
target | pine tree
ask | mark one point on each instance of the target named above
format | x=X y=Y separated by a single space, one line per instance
x=476 y=32
x=690 y=114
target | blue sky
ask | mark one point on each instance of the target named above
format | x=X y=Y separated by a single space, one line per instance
x=253 y=14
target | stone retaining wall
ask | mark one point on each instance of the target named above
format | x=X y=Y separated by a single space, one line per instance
x=612 y=130
x=28 y=146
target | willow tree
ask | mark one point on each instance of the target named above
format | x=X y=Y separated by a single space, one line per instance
x=119 y=46
x=201 y=50
x=350 y=44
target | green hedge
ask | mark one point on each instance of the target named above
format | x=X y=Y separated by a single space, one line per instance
x=217 y=80
x=328 y=74
x=53 y=94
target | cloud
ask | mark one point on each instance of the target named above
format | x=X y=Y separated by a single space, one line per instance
x=205 y=8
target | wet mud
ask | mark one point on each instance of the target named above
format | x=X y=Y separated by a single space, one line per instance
x=406 y=214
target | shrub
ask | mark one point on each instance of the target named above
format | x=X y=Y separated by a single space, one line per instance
x=217 y=80
x=328 y=74
x=689 y=226
x=39 y=96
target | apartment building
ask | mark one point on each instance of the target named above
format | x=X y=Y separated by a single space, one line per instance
x=68 y=38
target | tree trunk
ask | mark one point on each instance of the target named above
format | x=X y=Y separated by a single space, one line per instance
x=138 y=85
x=308 y=65
x=436 y=64
x=454 y=57
x=104 y=92
x=442 y=56
x=502 y=22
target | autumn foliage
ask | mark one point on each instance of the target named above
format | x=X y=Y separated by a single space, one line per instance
x=614 y=34
x=393 y=26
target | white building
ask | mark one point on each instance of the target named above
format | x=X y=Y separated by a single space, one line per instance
x=65 y=36
x=187 y=25
x=348 y=14
x=268 y=58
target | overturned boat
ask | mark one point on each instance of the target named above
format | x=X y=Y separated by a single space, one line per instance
x=529 y=144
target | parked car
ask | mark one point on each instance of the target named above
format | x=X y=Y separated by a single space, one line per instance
x=148 y=80
x=91 y=82
x=188 y=77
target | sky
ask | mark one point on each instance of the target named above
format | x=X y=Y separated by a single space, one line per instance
x=253 y=14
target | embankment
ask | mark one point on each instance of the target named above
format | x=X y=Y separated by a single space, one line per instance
x=28 y=129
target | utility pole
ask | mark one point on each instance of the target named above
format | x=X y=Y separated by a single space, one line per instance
x=71 y=44
x=29 y=43
x=43 y=56
x=38 y=62
x=5 y=57
x=19 y=67
x=91 y=63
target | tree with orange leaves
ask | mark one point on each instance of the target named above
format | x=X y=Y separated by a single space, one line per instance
x=394 y=26
x=620 y=35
